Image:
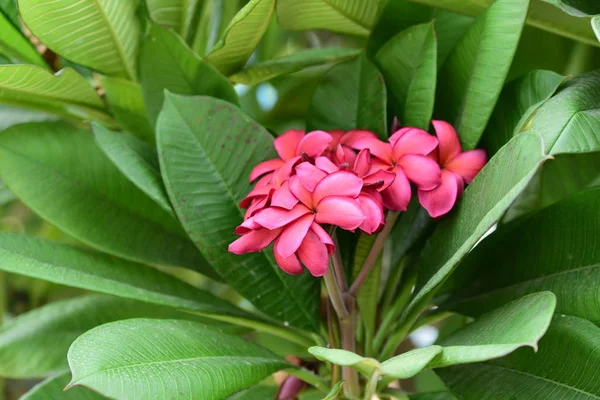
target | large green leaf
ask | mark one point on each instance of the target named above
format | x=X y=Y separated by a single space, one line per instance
x=35 y=344
x=241 y=36
x=569 y=121
x=500 y=332
x=294 y=62
x=519 y=100
x=474 y=73
x=54 y=389
x=558 y=178
x=59 y=171
x=137 y=161
x=578 y=8
x=207 y=148
x=126 y=101
x=179 y=15
x=65 y=265
x=355 y=17
x=563 y=368
x=345 y=358
x=9 y=9
x=257 y=392
x=67 y=93
x=15 y=46
x=189 y=360
x=351 y=95
x=541 y=15
x=167 y=63
x=484 y=201
x=409 y=64
x=100 y=34
x=549 y=250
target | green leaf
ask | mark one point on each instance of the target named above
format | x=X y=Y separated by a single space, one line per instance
x=500 y=332
x=35 y=344
x=65 y=265
x=474 y=73
x=570 y=120
x=54 y=389
x=577 y=8
x=365 y=366
x=541 y=15
x=16 y=46
x=61 y=174
x=558 y=178
x=351 y=95
x=257 y=392
x=66 y=93
x=178 y=15
x=409 y=364
x=9 y=9
x=137 y=161
x=207 y=148
x=241 y=36
x=518 y=101
x=335 y=392
x=596 y=26
x=126 y=101
x=409 y=64
x=167 y=63
x=560 y=369
x=413 y=228
x=484 y=201
x=204 y=363
x=10 y=116
x=558 y=259
x=368 y=295
x=100 y=34
x=355 y=17
x=432 y=396
x=294 y=62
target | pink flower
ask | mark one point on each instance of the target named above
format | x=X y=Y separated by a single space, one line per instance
x=458 y=168
x=323 y=199
x=406 y=156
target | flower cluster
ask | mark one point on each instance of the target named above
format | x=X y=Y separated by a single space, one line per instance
x=324 y=180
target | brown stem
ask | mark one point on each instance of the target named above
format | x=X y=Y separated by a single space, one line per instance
x=374 y=253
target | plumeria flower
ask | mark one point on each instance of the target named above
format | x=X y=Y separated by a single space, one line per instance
x=405 y=155
x=458 y=168
x=323 y=199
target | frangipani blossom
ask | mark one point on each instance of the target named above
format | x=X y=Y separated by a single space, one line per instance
x=405 y=155
x=458 y=168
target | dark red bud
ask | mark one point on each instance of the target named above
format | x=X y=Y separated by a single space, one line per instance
x=290 y=388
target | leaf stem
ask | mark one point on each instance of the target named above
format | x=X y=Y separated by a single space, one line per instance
x=371 y=388
x=374 y=253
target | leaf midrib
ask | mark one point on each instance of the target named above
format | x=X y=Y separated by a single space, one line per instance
x=236 y=203
x=180 y=360
x=347 y=16
x=112 y=33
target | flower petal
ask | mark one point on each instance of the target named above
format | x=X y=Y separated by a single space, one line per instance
x=284 y=172
x=373 y=210
x=309 y=175
x=283 y=197
x=313 y=255
x=264 y=168
x=247 y=226
x=379 y=149
x=324 y=164
x=301 y=193
x=293 y=235
x=397 y=196
x=314 y=143
x=274 y=217
x=257 y=205
x=351 y=136
x=254 y=241
x=323 y=237
x=414 y=141
x=449 y=146
x=287 y=143
x=421 y=170
x=379 y=180
x=468 y=164
x=341 y=183
x=289 y=265
x=398 y=134
x=362 y=164
x=440 y=200
x=341 y=211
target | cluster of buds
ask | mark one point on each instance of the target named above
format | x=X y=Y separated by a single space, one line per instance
x=347 y=180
